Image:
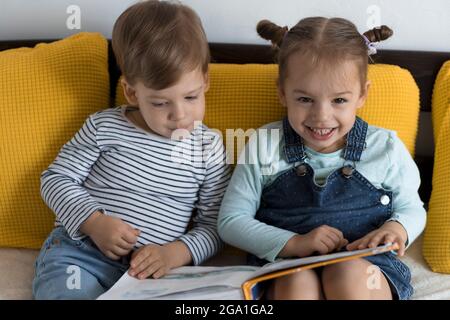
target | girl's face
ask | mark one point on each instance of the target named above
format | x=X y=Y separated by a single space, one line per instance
x=322 y=103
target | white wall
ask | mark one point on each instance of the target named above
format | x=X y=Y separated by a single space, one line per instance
x=418 y=24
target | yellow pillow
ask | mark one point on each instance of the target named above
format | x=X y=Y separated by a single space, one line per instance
x=46 y=93
x=436 y=245
x=245 y=96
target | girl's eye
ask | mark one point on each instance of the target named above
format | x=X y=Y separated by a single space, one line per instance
x=304 y=100
x=191 y=98
x=339 y=100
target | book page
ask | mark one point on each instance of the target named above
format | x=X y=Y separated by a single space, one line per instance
x=184 y=283
x=290 y=263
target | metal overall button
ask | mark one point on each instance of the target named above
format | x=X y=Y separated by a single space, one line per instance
x=347 y=171
x=301 y=170
x=385 y=200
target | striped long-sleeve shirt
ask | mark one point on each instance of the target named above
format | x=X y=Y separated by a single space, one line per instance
x=153 y=183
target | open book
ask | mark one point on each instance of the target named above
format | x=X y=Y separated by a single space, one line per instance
x=224 y=283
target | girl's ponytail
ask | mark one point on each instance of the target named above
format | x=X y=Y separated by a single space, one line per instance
x=270 y=31
x=378 y=34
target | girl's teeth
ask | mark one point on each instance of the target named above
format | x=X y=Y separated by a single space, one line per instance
x=322 y=132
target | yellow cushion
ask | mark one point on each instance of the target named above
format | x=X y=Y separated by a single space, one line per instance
x=46 y=93
x=436 y=245
x=245 y=96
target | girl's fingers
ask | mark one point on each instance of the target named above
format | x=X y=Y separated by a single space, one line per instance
x=354 y=244
x=333 y=237
x=402 y=248
x=338 y=233
x=389 y=238
x=343 y=243
x=329 y=244
x=364 y=242
x=376 y=239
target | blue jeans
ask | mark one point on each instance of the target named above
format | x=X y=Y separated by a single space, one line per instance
x=69 y=269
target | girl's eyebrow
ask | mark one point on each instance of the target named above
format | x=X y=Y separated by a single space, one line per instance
x=334 y=94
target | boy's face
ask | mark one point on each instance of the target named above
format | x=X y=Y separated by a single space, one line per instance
x=169 y=109
x=322 y=104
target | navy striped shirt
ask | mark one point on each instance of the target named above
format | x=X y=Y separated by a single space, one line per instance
x=153 y=183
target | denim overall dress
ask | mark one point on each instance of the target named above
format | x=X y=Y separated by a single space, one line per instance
x=346 y=201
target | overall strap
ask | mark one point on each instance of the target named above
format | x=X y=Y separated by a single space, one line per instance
x=356 y=140
x=293 y=144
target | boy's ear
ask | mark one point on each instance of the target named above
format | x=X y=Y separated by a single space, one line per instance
x=281 y=95
x=207 y=82
x=129 y=92
x=363 y=97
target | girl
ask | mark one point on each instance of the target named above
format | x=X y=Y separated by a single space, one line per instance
x=330 y=180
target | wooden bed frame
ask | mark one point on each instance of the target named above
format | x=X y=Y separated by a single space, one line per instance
x=423 y=65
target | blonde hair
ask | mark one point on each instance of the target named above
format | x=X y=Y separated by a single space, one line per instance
x=323 y=40
x=156 y=42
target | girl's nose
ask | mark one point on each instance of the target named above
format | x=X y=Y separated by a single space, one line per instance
x=320 y=112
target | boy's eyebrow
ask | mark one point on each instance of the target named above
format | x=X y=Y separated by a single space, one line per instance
x=334 y=94
x=160 y=97
x=195 y=90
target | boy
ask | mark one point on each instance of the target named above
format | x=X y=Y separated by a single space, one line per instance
x=122 y=195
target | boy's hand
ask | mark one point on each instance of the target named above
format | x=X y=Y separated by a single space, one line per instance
x=112 y=236
x=156 y=260
x=323 y=239
x=391 y=231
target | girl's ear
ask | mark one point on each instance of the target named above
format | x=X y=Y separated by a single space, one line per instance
x=363 y=97
x=129 y=92
x=281 y=95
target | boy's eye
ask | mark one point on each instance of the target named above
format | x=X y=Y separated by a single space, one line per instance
x=304 y=100
x=339 y=100
x=191 y=97
x=158 y=104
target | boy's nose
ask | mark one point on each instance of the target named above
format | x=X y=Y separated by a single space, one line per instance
x=177 y=113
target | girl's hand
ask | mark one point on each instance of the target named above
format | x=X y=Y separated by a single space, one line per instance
x=114 y=237
x=155 y=260
x=391 y=231
x=323 y=239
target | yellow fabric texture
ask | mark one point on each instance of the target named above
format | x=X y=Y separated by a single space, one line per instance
x=245 y=97
x=436 y=245
x=46 y=93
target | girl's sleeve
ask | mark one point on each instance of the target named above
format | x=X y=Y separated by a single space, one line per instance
x=237 y=224
x=203 y=239
x=403 y=179
x=62 y=183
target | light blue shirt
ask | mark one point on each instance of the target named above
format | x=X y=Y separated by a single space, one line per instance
x=385 y=162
